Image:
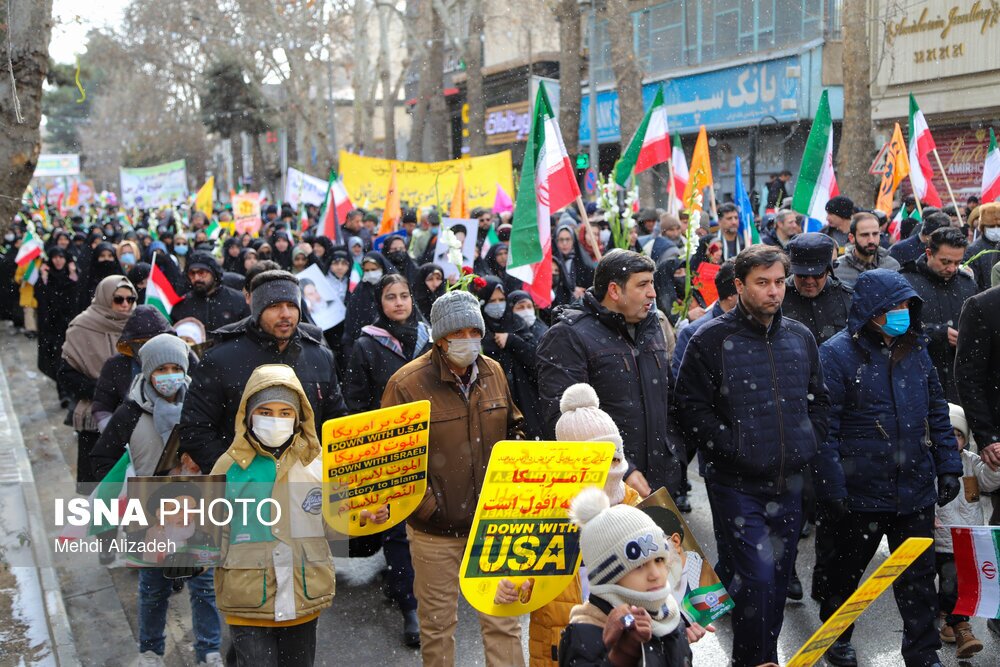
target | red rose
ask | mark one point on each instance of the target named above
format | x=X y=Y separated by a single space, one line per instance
x=478 y=282
x=466 y=270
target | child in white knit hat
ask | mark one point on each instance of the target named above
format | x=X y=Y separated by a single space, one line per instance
x=630 y=618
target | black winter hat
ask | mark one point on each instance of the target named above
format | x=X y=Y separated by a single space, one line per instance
x=840 y=205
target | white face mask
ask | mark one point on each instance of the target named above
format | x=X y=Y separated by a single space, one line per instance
x=463 y=351
x=372 y=277
x=527 y=315
x=992 y=234
x=495 y=310
x=605 y=236
x=272 y=432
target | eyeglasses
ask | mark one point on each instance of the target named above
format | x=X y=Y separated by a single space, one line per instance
x=119 y=300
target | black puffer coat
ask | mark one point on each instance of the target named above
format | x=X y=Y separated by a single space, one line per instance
x=208 y=421
x=824 y=315
x=588 y=343
x=220 y=307
x=361 y=308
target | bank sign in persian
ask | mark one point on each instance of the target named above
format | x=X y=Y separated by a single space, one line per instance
x=375 y=460
x=521 y=531
x=731 y=97
x=150 y=187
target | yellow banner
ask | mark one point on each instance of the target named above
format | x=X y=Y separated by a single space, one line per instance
x=521 y=531
x=874 y=586
x=375 y=460
x=426 y=183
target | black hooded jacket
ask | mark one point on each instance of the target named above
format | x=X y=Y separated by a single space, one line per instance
x=93 y=272
x=230 y=263
x=222 y=305
x=423 y=297
x=361 y=308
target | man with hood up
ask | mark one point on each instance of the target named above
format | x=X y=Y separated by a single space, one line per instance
x=274 y=455
x=209 y=301
x=889 y=440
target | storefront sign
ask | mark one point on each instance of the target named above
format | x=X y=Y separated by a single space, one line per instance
x=937 y=39
x=507 y=124
x=731 y=97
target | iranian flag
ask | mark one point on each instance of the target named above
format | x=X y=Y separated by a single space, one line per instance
x=214 y=229
x=817 y=183
x=650 y=145
x=991 y=172
x=548 y=183
x=681 y=175
x=356 y=274
x=896 y=224
x=921 y=143
x=30 y=250
x=491 y=240
x=112 y=492
x=336 y=206
x=977 y=554
x=159 y=293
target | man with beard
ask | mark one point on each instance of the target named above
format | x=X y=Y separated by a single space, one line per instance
x=753 y=400
x=271 y=335
x=864 y=253
x=209 y=301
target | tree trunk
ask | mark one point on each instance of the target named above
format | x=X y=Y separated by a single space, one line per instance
x=628 y=75
x=259 y=170
x=385 y=80
x=854 y=154
x=570 y=70
x=438 y=121
x=360 y=76
x=28 y=28
x=422 y=36
x=474 y=79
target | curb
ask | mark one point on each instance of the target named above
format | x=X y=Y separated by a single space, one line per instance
x=60 y=634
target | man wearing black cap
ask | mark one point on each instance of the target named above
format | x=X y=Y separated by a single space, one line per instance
x=912 y=247
x=271 y=335
x=209 y=301
x=814 y=296
x=838 y=221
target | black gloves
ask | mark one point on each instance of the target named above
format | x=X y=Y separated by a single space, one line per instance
x=833 y=511
x=947 y=488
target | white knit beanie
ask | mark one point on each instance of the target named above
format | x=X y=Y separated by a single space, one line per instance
x=959 y=421
x=615 y=540
x=582 y=420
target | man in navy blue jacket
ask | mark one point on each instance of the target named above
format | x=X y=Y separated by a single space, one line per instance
x=751 y=397
x=890 y=439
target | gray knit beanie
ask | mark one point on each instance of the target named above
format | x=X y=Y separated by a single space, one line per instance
x=271 y=287
x=163 y=349
x=454 y=311
x=276 y=394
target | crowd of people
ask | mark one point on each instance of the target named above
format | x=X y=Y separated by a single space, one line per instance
x=845 y=382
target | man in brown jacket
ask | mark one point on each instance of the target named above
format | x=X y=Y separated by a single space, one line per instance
x=471 y=410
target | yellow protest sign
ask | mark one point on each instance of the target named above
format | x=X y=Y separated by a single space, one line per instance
x=372 y=460
x=874 y=586
x=426 y=183
x=521 y=530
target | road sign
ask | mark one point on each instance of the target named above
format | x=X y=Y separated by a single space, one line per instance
x=590 y=181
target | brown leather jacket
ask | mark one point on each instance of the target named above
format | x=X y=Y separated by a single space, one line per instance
x=462 y=434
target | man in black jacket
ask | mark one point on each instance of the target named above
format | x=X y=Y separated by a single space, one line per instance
x=977 y=376
x=813 y=295
x=209 y=301
x=944 y=288
x=750 y=394
x=912 y=248
x=271 y=335
x=612 y=341
x=987 y=246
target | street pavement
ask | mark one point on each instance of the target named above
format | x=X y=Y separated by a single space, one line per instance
x=361 y=628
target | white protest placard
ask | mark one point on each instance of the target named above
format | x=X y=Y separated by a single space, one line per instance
x=303 y=188
x=462 y=230
x=150 y=187
x=326 y=311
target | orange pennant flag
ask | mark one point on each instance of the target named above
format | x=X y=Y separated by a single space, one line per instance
x=74 y=195
x=460 y=199
x=897 y=167
x=392 y=212
x=700 y=170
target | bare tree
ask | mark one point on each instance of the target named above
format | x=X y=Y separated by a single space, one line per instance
x=430 y=118
x=628 y=74
x=854 y=153
x=474 y=78
x=24 y=54
x=570 y=70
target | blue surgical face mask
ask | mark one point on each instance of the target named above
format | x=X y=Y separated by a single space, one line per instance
x=897 y=322
x=167 y=384
x=128 y=258
x=181 y=250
